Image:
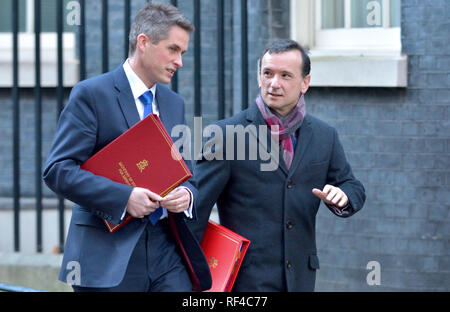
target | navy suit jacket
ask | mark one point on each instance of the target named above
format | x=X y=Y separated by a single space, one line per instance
x=276 y=210
x=98 y=111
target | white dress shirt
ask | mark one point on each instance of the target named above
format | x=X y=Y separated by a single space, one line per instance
x=138 y=88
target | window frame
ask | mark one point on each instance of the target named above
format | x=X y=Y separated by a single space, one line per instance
x=369 y=57
x=368 y=39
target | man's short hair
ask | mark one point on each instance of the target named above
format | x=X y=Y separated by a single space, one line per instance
x=155 y=20
x=285 y=45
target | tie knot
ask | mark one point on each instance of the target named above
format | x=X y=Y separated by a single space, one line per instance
x=146 y=98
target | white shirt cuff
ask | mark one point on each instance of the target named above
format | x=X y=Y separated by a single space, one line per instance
x=123 y=214
x=188 y=212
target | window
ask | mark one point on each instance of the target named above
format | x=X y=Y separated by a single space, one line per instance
x=26 y=39
x=352 y=42
x=359 y=14
x=358 y=24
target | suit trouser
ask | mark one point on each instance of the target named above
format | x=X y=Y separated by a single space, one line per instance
x=155 y=264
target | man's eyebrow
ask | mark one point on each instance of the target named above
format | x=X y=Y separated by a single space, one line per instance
x=283 y=71
x=177 y=47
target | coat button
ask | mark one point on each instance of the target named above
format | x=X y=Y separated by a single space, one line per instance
x=289 y=184
x=288 y=264
x=289 y=225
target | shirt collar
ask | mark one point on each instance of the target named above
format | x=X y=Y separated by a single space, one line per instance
x=138 y=87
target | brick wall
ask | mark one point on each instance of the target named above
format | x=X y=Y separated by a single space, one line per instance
x=398 y=143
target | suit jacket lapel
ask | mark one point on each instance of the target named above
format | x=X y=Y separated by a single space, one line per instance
x=165 y=107
x=303 y=141
x=128 y=105
x=125 y=97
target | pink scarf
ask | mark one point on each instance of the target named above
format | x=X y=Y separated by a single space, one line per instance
x=286 y=125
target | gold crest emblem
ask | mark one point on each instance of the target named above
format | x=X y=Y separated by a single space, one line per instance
x=142 y=165
x=213 y=262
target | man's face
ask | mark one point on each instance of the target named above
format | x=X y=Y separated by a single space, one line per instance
x=281 y=81
x=161 y=61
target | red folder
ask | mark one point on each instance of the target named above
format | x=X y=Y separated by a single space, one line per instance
x=224 y=250
x=143 y=156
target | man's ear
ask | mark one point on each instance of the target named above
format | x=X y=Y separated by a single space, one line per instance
x=141 y=41
x=305 y=84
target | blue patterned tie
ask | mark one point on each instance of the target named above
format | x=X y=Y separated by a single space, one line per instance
x=147 y=99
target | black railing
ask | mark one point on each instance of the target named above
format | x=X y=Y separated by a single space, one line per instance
x=38 y=122
x=197 y=60
x=60 y=89
x=105 y=50
x=60 y=103
x=244 y=54
x=82 y=40
x=220 y=59
x=174 y=81
x=16 y=115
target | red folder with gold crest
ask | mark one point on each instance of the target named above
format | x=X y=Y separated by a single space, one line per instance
x=224 y=250
x=143 y=156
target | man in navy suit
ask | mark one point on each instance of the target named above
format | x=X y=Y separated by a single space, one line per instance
x=275 y=206
x=144 y=254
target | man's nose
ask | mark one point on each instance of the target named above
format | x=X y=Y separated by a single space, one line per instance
x=179 y=61
x=275 y=82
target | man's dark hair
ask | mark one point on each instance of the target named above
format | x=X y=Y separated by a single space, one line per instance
x=285 y=45
x=155 y=20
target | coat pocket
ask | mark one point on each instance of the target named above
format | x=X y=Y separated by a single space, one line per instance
x=83 y=217
x=313 y=262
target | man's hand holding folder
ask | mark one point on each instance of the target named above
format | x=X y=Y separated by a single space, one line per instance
x=142 y=202
x=178 y=200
